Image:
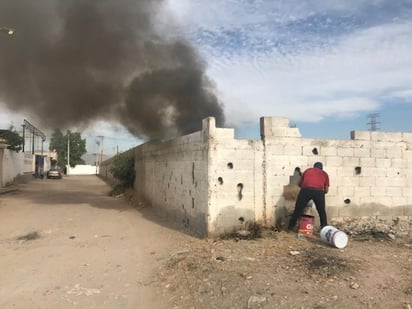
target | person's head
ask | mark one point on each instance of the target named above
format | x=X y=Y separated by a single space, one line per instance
x=318 y=165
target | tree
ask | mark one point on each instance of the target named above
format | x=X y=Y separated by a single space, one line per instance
x=123 y=170
x=77 y=147
x=12 y=139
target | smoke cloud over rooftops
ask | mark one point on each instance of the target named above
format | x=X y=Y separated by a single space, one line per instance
x=72 y=62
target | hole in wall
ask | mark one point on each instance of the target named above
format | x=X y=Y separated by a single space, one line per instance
x=220 y=180
x=230 y=165
x=193 y=202
x=239 y=191
x=347 y=201
x=358 y=170
x=241 y=219
x=297 y=171
x=315 y=151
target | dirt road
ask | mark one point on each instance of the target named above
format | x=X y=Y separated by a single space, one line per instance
x=67 y=244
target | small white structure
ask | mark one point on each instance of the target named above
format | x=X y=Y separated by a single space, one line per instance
x=83 y=170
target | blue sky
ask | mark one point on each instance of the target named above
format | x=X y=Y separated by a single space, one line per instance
x=324 y=64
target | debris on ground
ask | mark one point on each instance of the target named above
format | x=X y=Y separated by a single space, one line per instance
x=279 y=270
x=29 y=236
x=378 y=229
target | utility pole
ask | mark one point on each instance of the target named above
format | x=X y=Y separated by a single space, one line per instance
x=101 y=149
x=68 y=152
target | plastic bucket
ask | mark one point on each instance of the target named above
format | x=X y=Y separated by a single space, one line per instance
x=334 y=237
x=306 y=224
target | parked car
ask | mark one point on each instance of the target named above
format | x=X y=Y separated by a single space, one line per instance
x=54 y=173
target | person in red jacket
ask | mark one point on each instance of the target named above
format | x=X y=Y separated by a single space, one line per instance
x=314 y=184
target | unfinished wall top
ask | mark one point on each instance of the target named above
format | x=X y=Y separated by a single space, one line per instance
x=210 y=132
x=381 y=136
x=277 y=127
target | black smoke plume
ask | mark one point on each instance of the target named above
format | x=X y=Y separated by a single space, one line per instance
x=74 y=61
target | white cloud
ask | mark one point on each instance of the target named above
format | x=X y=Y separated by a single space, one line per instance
x=300 y=74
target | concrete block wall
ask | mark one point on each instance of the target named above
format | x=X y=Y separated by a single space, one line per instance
x=235 y=180
x=213 y=183
x=172 y=177
x=369 y=174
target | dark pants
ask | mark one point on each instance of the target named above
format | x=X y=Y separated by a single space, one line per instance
x=304 y=196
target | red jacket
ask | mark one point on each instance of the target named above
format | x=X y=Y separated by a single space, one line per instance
x=315 y=178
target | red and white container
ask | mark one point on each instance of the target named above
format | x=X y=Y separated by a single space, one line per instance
x=306 y=224
x=334 y=237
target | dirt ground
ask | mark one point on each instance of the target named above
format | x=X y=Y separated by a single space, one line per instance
x=66 y=244
x=283 y=271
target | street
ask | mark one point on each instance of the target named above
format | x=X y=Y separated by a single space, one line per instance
x=67 y=244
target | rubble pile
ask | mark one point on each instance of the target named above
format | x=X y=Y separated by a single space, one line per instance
x=371 y=228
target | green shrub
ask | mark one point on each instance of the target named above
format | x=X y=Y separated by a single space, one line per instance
x=123 y=170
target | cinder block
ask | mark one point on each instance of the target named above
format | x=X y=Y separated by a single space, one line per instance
x=351 y=211
x=398 y=163
x=393 y=191
x=367 y=181
x=397 y=211
x=407 y=137
x=407 y=210
x=383 y=163
x=275 y=150
x=361 y=135
x=407 y=191
x=332 y=212
x=345 y=191
x=407 y=154
x=395 y=173
x=362 y=152
x=346 y=171
x=329 y=151
x=225 y=134
x=333 y=161
x=345 y=152
x=294 y=132
x=367 y=162
x=294 y=149
x=374 y=171
x=378 y=191
x=394 y=151
x=351 y=161
x=399 y=200
x=386 y=136
x=383 y=182
x=271 y=122
x=349 y=181
x=378 y=153
x=309 y=150
x=362 y=191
